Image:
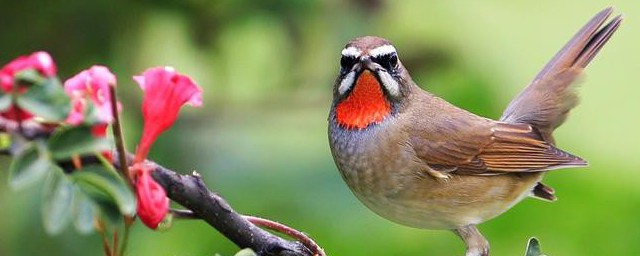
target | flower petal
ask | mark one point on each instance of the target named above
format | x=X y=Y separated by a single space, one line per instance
x=152 y=200
x=165 y=92
x=43 y=63
x=90 y=85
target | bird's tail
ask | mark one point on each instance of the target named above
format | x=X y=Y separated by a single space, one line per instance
x=548 y=99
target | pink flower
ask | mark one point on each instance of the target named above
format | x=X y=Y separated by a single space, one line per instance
x=16 y=114
x=40 y=61
x=153 y=203
x=165 y=91
x=91 y=87
x=92 y=84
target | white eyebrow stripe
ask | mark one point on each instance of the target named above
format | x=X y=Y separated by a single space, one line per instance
x=351 y=51
x=388 y=82
x=382 y=50
x=347 y=82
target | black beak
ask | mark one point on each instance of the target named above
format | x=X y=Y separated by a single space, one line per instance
x=367 y=63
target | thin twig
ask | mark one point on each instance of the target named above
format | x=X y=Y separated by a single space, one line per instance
x=105 y=242
x=183 y=214
x=115 y=242
x=105 y=245
x=279 y=227
x=128 y=221
x=124 y=170
x=118 y=136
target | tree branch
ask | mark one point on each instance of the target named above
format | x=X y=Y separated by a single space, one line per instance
x=191 y=192
x=264 y=223
x=301 y=237
x=28 y=130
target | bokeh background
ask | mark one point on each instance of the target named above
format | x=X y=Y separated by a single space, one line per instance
x=267 y=69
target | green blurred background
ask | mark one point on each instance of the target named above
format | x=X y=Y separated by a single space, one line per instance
x=267 y=69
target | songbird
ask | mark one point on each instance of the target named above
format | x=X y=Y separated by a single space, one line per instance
x=420 y=161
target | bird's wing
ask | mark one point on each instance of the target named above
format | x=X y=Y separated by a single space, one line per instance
x=520 y=148
x=495 y=149
x=548 y=99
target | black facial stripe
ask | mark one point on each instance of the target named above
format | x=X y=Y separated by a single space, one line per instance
x=376 y=75
x=347 y=62
x=388 y=61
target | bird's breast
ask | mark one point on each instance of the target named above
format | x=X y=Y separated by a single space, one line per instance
x=369 y=160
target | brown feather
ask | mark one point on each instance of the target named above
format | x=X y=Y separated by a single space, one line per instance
x=504 y=148
x=544 y=192
x=522 y=142
x=546 y=102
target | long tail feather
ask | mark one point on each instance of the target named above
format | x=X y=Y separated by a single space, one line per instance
x=546 y=102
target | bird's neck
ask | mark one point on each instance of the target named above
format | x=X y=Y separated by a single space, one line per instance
x=365 y=105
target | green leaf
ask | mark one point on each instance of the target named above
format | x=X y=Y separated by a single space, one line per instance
x=58 y=196
x=46 y=99
x=29 y=165
x=78 y=140
x=533 y=248
x=109 y=212
x=101 y=202
x=5 y=101
x=28 y=77
x=84 y=213
x=104 y=185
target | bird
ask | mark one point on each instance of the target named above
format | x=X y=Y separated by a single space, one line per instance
x=418 y=160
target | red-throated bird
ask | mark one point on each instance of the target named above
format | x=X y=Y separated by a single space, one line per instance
x=420 y=161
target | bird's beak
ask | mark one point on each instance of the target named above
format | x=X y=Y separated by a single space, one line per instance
x=366 y=63
x=384 y=78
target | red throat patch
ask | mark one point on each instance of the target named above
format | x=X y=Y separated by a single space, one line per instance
x=365 y=105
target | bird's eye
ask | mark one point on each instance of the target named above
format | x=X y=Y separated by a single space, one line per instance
x=346 y=62
x=387 y=61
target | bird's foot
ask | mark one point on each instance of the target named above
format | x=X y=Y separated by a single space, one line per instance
x=477 y=245
x=438 y=175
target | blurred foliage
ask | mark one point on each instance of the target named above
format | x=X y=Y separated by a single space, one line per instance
x=267 y=68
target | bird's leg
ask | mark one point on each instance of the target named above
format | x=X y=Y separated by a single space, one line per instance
x=441 y=176
x=477 y=245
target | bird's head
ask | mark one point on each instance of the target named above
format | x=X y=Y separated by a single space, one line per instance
x=371 y=84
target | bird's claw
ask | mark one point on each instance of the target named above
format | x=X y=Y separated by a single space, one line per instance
x=439 y=176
